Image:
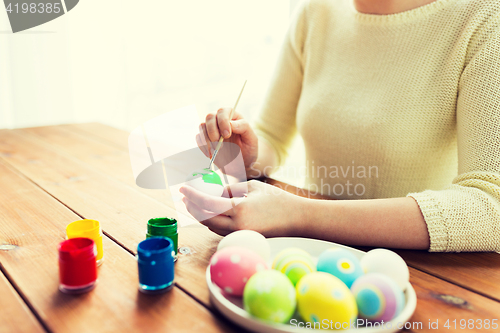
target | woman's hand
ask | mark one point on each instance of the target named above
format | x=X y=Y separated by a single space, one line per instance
x=391 y=222
x=258 y=206
x=237 y=131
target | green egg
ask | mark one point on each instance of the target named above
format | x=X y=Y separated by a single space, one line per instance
x=269 y=295
x=209 y=176
x=294 y=263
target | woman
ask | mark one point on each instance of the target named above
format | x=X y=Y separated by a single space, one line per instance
x=411 y=88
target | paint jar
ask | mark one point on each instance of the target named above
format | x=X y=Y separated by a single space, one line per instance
x=155 y=260
x=77 y=265
x=164 y=227
x=87 y=229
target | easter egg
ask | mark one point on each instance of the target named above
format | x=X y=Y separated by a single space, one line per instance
x=340 y=263
x=378 y=297
x=249 y=239
x=294 y=263
x=269 y=295
x=206 y=181
x=388 y=263
x=232 y=267
x=322 y=296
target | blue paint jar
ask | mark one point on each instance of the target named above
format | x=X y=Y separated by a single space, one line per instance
x=155 y=259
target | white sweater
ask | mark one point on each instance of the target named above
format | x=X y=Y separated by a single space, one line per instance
x=414 y=95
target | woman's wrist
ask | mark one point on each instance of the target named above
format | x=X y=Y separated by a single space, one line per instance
x=253 y=171
x=321 y=219
x=301 y=216
x=395 y=222
x=264 y=163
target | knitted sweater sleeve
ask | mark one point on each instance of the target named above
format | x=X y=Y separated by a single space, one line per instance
x=276 y=121
x=466 y=215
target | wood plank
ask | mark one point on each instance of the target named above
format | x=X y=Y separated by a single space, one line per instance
x=109 y=159
x=106 y=133
x=479 y=272
x=441 y=301
x=34 y=222
x=15 y=315
x=66 y=175
x=122 y=210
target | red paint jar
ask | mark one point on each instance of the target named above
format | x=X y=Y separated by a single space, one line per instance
x=77 y=265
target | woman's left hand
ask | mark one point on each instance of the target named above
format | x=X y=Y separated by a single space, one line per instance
x=258 y=206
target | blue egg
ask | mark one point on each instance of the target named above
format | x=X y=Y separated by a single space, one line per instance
x=378 y=297
x=370 y=302
x=340 y=263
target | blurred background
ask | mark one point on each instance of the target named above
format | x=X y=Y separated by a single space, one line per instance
x=122 y=62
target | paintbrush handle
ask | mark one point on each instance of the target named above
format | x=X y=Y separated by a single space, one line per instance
x=219 y=144
x=215 y=152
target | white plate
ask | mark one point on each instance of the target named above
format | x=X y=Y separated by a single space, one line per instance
x=232 y=307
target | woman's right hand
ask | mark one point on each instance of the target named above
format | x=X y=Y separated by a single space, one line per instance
x=236 y=130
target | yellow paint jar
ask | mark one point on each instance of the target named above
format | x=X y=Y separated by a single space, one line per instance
x=87 y=229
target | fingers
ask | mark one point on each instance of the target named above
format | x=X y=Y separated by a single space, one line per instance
x=211 y=204
x=237 y=190
x=217 y=222
x=240 y=126
x=218 y=124
x=223 y=122
x=237 y=116
x=212 y=128
x=203 y=147
x=205 y=139
x=227 y=192
x=221 y=232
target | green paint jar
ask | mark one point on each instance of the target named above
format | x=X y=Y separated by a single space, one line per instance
x=163 y=227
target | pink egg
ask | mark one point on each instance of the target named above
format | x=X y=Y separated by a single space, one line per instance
x=231 y=267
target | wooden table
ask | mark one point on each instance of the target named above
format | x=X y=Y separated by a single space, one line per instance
x=51 y=176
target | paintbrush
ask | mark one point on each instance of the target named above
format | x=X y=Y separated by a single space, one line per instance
x=221 y=137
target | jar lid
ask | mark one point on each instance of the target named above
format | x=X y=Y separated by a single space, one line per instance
x=155 y=249
x=76 y=249
x=162 y=226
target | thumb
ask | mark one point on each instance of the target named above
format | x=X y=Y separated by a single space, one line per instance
x=240 y=126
